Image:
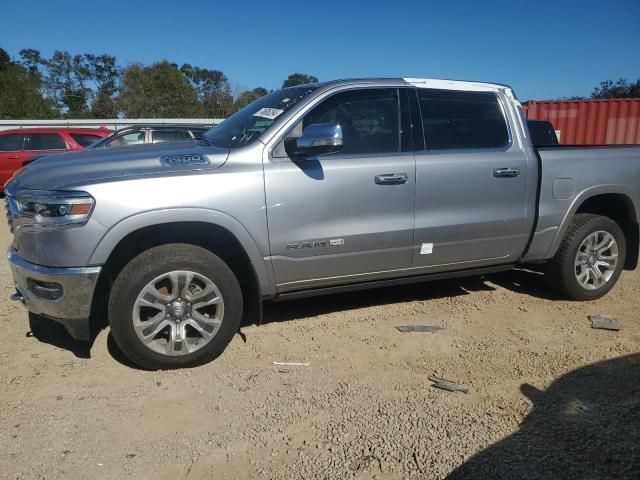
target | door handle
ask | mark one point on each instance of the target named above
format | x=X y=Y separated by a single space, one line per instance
x=505 y=172
x=391 y=179
x=13 y=157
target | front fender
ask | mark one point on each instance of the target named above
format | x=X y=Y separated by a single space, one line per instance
x=120 y=230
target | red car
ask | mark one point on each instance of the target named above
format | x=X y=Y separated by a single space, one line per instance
x=19 y=144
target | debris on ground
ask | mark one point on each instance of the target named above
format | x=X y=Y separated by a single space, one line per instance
x=448 y=385
x=603 y=322
x=292 y=364
x=419 y=328
x=417 y=462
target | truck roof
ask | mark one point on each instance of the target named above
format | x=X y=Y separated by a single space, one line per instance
x=445 y=84
x=436 y=83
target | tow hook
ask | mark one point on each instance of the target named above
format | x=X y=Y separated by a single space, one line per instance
x=17 y=297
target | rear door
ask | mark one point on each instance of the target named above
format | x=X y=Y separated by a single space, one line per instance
x=471 y=182
x=335 y=218
x=11 y=155
x=35 y=143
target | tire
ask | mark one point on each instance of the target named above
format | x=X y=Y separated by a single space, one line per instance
x=576 y=277
x=152 y=319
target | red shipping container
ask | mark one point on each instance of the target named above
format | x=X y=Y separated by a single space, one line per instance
x=590 y=122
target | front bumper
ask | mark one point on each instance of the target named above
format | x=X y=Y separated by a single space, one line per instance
x=71 y=308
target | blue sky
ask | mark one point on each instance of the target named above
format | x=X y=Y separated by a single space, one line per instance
x=544 y=49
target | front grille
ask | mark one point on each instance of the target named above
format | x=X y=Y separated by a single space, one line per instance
x=9 y=214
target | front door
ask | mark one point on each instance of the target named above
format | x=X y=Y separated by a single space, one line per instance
x=344 y=217
x=471 y=183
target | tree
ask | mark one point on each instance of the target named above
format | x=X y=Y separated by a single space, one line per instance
x=619 y=89
x=66 y=82
x=70 y=85
x=104 y=105
x=31 y=59
x=20 y=92
x=5 y=59
x=105 y=74
x=214 y=91
x=298 y=79
x=157 y=91
x=64 y=79
x=248 y=96
x=79 y=85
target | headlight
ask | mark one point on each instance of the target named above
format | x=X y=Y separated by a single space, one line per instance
x=51 y=209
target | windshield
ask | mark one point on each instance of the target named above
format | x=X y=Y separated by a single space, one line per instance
x=247 y=124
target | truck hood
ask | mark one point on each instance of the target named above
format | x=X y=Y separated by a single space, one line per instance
x=67 y=170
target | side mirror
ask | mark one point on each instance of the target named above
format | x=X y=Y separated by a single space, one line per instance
x=316 y=139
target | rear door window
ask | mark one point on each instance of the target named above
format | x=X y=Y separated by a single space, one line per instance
x=462 y=120
x=44 y=141
x=11 y=142
x=161 y=136
x=85 y=139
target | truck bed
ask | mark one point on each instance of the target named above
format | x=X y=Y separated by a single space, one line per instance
x=572 y=174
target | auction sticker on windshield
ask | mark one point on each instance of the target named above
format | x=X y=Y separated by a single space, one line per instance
x=269 y=113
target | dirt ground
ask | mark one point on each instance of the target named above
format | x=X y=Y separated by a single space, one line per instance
x=549 y=396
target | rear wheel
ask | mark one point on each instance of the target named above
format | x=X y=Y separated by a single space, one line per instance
x=590 y=259
x=174 y=306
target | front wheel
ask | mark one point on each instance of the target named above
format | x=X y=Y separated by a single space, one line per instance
x=590 y=259
x=174 y=306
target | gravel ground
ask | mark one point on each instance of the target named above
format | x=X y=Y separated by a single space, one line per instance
x=549 y=397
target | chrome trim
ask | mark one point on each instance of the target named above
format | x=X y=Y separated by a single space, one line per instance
x=9 y=213
x=389 y=282
x=16 y=297
x=320 y=135
x=48 y=194
x=396 y=272
x=78 y=285
x=15 y=259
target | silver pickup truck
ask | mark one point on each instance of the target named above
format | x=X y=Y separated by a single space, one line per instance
x=314 y=189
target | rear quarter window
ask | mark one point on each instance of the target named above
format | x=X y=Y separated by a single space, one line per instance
x=462 y=120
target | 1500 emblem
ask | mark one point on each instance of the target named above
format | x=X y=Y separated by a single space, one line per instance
x=185 y=159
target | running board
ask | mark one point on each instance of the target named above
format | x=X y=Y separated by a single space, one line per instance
x=352 y=287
